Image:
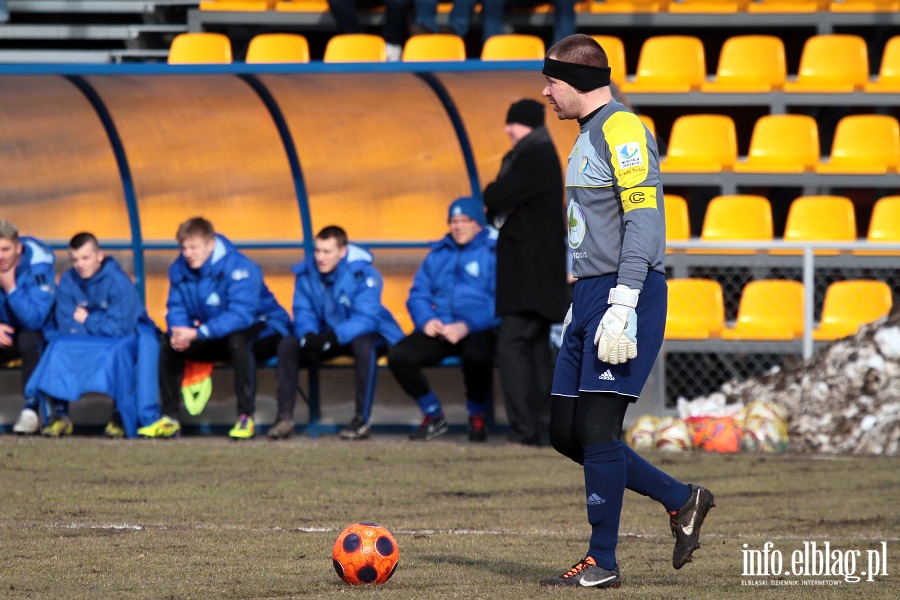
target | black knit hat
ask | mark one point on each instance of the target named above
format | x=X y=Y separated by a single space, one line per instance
x=527 y=112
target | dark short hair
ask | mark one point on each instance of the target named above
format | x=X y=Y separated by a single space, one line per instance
x=193 y=227
x=581 y=49
x=80 y=239
x=333 y=232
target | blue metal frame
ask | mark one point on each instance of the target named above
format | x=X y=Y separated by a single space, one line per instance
x=134 y=217
x=293 y=157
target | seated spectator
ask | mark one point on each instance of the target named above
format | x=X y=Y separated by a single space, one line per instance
x=219 y=309
x=337 y=312
x=460 y=18
x=396 y=16
x=27 y=294
x=100 y=322
x=452 y=306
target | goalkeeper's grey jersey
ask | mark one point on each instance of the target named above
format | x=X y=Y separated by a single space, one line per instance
x=615 y=210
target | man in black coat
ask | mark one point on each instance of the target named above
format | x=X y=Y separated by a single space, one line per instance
x=526 y=204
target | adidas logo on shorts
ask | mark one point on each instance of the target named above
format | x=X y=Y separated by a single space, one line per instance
x=607 y=376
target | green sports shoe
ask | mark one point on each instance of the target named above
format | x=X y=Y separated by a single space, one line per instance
x=58 y=427
x=244 y=429
x=114 y=430
x=165 y=427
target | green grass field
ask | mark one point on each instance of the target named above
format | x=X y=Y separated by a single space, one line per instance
x=208 y=518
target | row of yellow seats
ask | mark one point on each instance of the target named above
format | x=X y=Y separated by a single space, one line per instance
x=748 y=218
x=707 y=143
x=610 y=6
x=829 y=63
x=215 y=48
x=772 y=309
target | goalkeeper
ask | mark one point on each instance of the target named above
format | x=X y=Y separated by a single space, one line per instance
x=615 y=325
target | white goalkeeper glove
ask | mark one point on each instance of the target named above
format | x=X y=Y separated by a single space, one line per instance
x=566 y=321
x=616 y=336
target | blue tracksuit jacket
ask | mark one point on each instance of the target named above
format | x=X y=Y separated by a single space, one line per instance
x=226 y=294
x=30 y=305
x=355 y=308
x=115 y=348
x=457 y=283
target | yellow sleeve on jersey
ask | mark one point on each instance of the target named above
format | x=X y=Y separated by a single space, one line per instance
x=627 y=140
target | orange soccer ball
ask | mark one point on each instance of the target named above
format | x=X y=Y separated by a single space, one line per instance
x=365 y=553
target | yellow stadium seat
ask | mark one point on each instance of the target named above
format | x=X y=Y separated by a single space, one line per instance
x=513 y=46
x=864 y=6
x=865 y=144
x=785 y=6
x=851 y=304
x=706 y=6
x=615 y=54
x=200 y=48
x=278 y=48
x=736 y=218
x=237 y=5
x=696 y=309
x=884 y=226
x=820 y=219
x=626 y=6
x=304 y=6
x=434 y=47
x=831 y=63
x=888 y=79
x=782 y=144
x=749 y=64
x=647 y=120
x=669 y=63
x=678 y=223
x=769 y=309
x=355 y=47
x=701 y=144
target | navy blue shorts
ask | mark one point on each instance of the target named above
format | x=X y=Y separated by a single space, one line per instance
x=579 y=370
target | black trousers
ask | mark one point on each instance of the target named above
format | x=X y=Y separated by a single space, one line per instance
x=526 y=374
x=242 y=349
x=365 y=350
x=27 y=345
x=418 y=350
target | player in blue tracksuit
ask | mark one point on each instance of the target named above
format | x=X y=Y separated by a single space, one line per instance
x=614 y=329
x=337 y=312
x=27 y=294
x=452 y=304
x=219 y=308
x=100 y=323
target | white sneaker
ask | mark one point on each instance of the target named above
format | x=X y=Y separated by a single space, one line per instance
x=394 y=52
x=28 y=422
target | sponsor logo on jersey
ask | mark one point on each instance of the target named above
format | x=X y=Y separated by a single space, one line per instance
x=239 y=274
x=472 y=269
x=629 y=155
x=213 y=300
x=576 y=225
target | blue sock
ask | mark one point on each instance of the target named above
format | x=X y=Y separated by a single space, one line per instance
x=647 y=480
x=604 y=484
x=475 y=408
x=33 y=404
x=60 y=409
x=430 y=405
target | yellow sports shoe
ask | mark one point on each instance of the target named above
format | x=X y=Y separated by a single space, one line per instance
x=58 y=427
x=114 y=430
x=244 y=429
x=164 y=428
